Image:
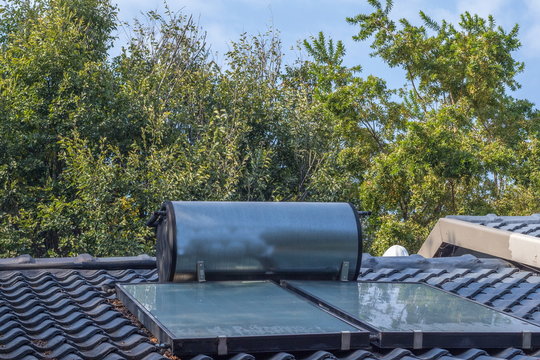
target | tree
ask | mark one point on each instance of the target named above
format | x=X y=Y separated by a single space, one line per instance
x=54 y=79
x=160 y=121
x=92 y=144
x=463 y=131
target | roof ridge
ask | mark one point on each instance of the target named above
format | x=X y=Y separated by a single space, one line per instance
x=82 y=261
x=416 y=261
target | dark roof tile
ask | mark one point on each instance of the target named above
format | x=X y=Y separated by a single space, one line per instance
x=472 y=289
x=404 y=275
x=278 y=356
x=396 y=354
x=379 y=274
x=433 y=354
x=113 y=356
x=243 y=356
x=99 y=351
x=526 y=308
x=355 y=355
x=67 y=313
x=11 y=346
x=82 y=335
x=319 y=355
x=123 y=332
x=153 y=356
x=19 y=352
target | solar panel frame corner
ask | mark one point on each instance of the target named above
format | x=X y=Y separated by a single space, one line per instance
x=430 y=339
x=239 y=344
x=149 y=321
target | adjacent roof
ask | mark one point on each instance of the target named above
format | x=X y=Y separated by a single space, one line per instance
x=527 y=225
x=514 y=238
x=64 y=309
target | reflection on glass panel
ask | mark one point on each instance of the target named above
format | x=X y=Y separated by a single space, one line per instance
x=233 y=308
x=146 y=295
x=406 y=307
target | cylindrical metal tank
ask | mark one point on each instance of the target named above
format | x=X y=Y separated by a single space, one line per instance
x=256 y=240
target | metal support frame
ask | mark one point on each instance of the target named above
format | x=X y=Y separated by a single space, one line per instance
x=344 y=271
x=222 y=345
x=201 y=275
x=345 y=340
x=418 y=339
x=527 y=340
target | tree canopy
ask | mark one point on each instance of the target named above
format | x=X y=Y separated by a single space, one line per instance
x=91 y=143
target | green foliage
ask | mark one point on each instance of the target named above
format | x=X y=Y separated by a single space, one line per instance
x=464 y=135
x=394 y=231
x=95 y=144
x=92 y=144
x=324 y=52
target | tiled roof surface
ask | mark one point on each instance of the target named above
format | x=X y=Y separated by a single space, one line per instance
x=71 y=314
x=529 y=225
x=68 y=314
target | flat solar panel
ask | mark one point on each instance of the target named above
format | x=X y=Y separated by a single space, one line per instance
x=416 y=315
x=236 y=316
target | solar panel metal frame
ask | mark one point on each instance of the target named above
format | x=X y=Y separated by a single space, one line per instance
x=430 y=339
x=239 y=344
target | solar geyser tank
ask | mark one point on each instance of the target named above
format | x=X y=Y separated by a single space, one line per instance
x=257 y=240
x=303 y=245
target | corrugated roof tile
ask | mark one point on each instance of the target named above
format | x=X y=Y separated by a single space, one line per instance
x=319 y=355
x=355 y=355
x=67 y=314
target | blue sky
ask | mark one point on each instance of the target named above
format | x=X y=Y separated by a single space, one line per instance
x=225 y=20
